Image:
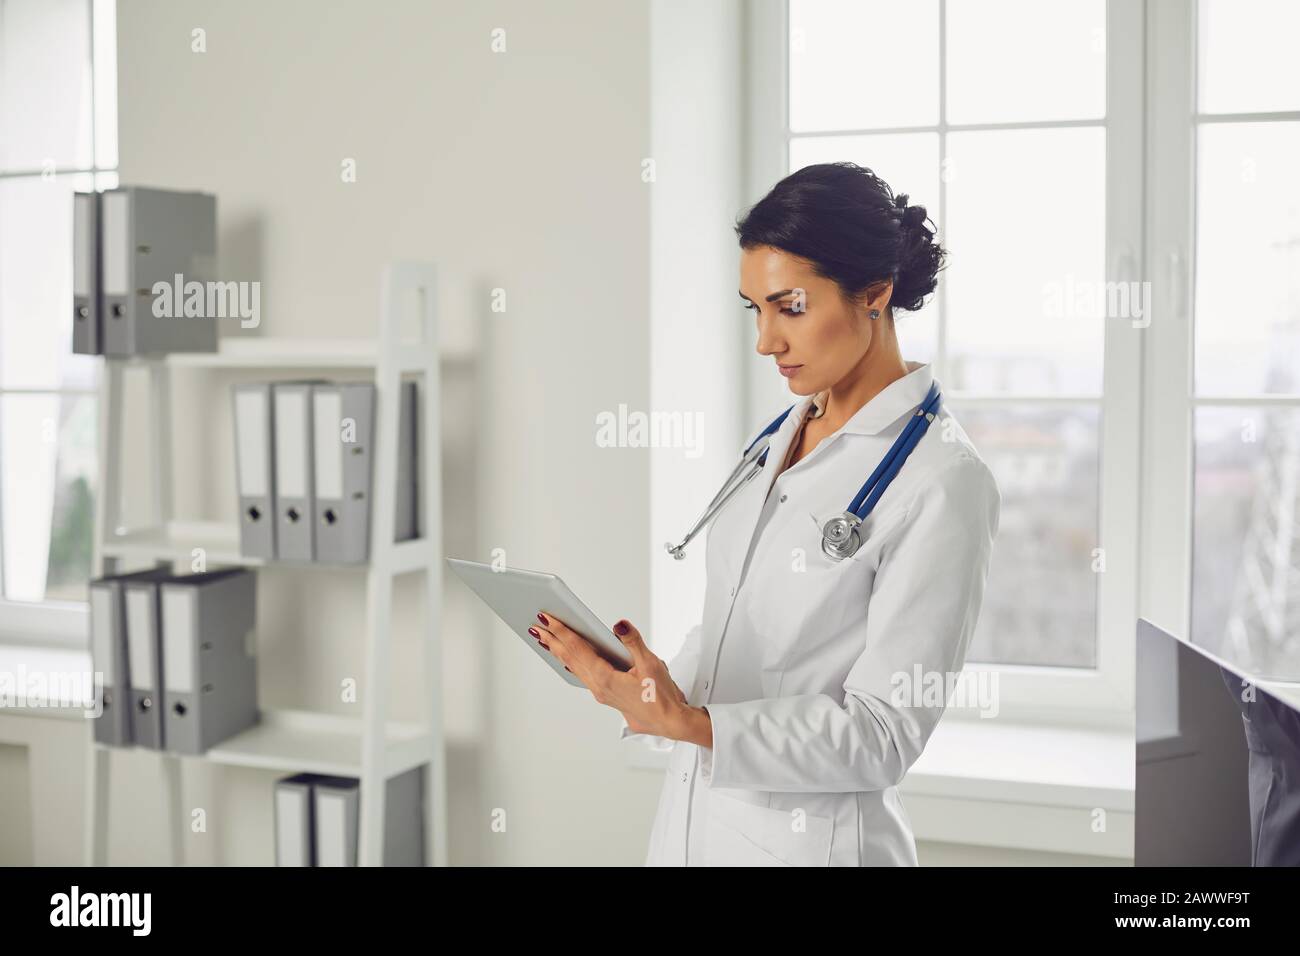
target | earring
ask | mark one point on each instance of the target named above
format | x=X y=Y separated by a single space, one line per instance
x=874 y=313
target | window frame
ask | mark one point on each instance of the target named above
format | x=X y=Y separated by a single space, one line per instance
x=1170 y=452
x=1102 y=696
x=60 y=623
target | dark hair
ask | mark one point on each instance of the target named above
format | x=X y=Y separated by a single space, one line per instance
x=848 y=223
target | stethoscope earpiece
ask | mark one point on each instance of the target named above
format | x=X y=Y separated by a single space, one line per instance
x=840 y=538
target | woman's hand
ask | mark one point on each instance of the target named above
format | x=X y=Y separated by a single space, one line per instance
x=649 y=699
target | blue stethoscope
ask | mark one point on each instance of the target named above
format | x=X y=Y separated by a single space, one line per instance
x=840 y=538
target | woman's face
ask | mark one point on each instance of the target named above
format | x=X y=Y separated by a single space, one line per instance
x=803 y=321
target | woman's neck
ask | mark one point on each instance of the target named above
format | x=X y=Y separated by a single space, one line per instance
x=881 y=365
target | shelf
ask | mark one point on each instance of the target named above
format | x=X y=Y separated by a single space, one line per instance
x=220 y=544
x=266 y=352
x=288 y=740
x=307 y=742
x=269 y=352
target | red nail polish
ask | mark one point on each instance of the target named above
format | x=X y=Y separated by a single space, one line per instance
x=546 y=647
x=620 y=628
x=533 y=631
x=542 y=617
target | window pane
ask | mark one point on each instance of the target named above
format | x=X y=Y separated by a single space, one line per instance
x=1246 y=53
x=1246 y=566
x=47 y=471
x=909 y=163
x=847 y=58
x=1025 y=230
x=45 y=84
x=105 y=66
x=1040 y=605
x=1248 y=259
x=1018 y=60
x=36 y=285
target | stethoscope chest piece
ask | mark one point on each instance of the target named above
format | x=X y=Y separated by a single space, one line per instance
x=840 y=538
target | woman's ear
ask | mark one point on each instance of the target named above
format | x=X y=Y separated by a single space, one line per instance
x=877 y=298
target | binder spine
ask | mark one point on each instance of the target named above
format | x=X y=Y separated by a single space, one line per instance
x=141 y=604
x=254 y=424
x=294 y=466
x=108 y=648
x=86 y=331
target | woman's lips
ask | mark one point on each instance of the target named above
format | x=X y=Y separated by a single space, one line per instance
x=789 y=370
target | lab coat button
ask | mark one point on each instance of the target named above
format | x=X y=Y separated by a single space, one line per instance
x=783 y=497
x=733 y=592
x=683 y=776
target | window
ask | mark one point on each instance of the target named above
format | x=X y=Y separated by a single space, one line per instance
x=1245 y=592
x=1019 y=126
x=58 y=120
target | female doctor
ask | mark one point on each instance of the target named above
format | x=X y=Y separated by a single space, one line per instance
x=792 y=710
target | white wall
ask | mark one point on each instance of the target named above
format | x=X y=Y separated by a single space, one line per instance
x=518 y=171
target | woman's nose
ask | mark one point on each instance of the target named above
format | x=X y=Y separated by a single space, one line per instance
x=768 y=344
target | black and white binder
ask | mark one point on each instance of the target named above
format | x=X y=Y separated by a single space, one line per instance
x=150 y=236
x=86 y=329
x=255 y=468
x=110 y=655
x=294 y=825
x=109 y=659
x=209 y=662
x=144 y=651
x=294 y=494
x=336 y=820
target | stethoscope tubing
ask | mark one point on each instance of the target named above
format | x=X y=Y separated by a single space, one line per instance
x=893 y=461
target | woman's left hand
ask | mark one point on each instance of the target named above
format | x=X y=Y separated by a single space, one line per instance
x=649 y=699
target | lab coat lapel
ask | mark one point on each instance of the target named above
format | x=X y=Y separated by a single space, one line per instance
x=750 y=502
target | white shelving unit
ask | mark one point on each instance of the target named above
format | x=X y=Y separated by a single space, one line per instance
x=371 y=748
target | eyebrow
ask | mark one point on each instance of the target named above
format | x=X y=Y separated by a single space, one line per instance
x=771 y=298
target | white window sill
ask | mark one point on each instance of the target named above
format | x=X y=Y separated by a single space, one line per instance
x=999 y=784
x=19 y=660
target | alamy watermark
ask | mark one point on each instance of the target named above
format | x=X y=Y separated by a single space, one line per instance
x=959 y=690
x=208 y=300
x=23 y=688
x=1092 y=299
x=634 y=429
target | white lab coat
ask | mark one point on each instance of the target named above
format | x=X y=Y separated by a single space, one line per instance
x=797 y=655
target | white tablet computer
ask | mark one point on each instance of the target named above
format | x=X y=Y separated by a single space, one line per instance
x=517 y=595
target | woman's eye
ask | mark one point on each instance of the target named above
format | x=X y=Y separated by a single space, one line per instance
x=753 y=308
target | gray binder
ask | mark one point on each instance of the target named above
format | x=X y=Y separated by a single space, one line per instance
x=149 y=236
x=85 y=274
x=144 y=654
x=336 y=820
x=294 y=539
x=343 y=451
x=109 y=655
x=294 y=829
x=255 y=468
x=343 y=470
x=209 y=668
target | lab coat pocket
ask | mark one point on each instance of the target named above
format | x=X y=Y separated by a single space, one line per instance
x=806 y=595
x=745 y=834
